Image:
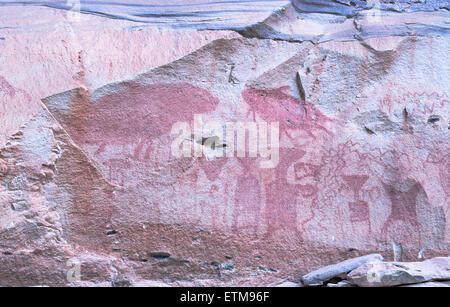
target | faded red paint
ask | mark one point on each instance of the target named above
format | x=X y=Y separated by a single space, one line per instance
x=248 y=202
x=442 y=161
x=275 y=105
x=133 y=123
x=404 y=206
x=297 y=197
x=306 y=172
x=117 y=169
x=444 y=174
x=356 y=182
x=4 y=168
x=359 y=212
x=137 y=115
x=212 y=168
x=7 y=88
x=432 y=101
x=359 y=209
x=281 y=196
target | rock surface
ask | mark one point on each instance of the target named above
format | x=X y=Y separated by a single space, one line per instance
x=65 y=52
x=340 y=269
x=431 y=284
x=351 y=8
x=150 y=283
x=90 y=182
x=322 y=21
x=341 y=284
x=199 y=14
x=388 y=274
x=288 y=284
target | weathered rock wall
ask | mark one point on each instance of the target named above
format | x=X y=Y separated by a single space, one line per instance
x=92 y=174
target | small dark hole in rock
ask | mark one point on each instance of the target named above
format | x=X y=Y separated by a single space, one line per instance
x=160 y=255
x=401 y=266
x=121 y=283
x=432 y=120
x=111 y=233
x=227 y=267
x=268 y=270
x=369 y=131
x=334 y=280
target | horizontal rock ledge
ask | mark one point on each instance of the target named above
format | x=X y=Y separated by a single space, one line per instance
x=324 y=274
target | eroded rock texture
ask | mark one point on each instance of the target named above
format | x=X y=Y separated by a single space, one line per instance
x=88 y=174
x=398 y=273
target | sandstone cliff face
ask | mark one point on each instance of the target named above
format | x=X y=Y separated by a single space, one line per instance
x=90 y=177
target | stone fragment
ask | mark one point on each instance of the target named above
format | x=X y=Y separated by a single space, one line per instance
x=324 y=274
x=297 y=22
x=288 y=284
x=341 y=284
x=150 y=283
x=430 y=284
x=398 y=251
x=388 y=274
x=19 y=206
